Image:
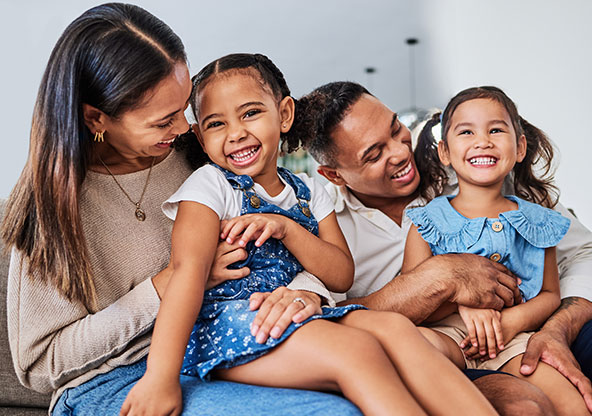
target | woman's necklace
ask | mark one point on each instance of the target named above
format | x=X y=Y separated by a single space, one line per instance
x=140 y=214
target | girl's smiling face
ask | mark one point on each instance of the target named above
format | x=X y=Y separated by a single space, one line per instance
x=240 y=122
x=481 y=144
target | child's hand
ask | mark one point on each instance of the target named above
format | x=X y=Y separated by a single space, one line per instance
x=153 y=396
x=485 y=332
x=257 y=227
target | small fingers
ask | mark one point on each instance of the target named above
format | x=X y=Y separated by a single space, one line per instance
x=499 y=333
x=267 y=232
x=481 y=337
x=491 y=339
x=248 y=234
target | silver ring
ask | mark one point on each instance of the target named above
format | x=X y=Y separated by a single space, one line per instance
x=300 y=300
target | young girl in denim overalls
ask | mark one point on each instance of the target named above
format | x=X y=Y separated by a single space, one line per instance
x=378 y=360
x=484 y=139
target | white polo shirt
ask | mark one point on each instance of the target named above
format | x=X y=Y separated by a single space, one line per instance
x=377 y=245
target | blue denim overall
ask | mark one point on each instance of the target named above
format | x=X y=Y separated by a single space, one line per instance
x=221 y=337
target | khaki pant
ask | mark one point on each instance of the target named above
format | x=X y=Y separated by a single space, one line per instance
x=455 y=328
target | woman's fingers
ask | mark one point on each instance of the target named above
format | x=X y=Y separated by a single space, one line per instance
x=278 y=309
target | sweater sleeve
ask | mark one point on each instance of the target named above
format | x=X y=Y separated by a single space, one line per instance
x=574 y=259
x=53 y=340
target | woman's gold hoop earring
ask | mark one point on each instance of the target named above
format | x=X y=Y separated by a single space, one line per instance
x=99 y=136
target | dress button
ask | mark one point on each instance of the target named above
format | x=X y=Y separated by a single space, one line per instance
x=497 y=226
x=495 y=257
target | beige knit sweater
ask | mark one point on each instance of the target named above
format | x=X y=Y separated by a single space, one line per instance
x=56 y=344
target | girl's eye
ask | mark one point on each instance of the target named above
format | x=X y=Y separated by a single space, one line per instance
x=165 y=125
x=213 y=124
x=252 y=113
x=496 y=130
x=465 y=132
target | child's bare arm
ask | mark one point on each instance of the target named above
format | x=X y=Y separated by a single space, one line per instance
x=194 y=240
x=531 y=315
x=416 y=250
x=326 y=256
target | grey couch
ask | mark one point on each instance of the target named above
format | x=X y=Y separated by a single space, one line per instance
x=15 y=400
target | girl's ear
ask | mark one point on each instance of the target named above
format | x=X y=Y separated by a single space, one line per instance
x=521 y=149
x=443 y=153
x=94 y=118
x=287 y=110
x=331 y=174
x=195 y=129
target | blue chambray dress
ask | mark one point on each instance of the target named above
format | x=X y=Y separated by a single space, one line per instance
x=221 y=336
x=517 y=239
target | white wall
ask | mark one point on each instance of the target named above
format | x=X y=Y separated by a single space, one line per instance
x=538 y=51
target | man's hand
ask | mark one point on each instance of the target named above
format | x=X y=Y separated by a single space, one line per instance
x=552 y=348
x=477 y=281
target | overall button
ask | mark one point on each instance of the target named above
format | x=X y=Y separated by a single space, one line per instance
x=497 y=226
x=495 y=257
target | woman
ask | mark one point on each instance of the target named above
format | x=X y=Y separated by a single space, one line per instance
x=90 y=244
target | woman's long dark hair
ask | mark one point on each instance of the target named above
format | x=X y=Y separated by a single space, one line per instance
x=532 y=186
x=109 y=57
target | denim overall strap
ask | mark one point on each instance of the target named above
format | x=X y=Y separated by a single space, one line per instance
x=300 y=212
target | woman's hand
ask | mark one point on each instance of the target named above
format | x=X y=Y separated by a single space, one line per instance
x=153 y=396
x=227 y=254
x=279 y=308
x=485 y=332
x=257 y=227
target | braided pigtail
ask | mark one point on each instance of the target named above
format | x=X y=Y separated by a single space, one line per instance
x=538 y=186
x=431 y=171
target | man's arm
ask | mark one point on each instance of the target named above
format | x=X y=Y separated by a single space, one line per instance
x=466 y=279
x=552 y=344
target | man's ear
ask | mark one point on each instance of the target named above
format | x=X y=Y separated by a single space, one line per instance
x=195 y=129
x=331 y=174
x=94 y=118
x=286 y=110
x=443 y=153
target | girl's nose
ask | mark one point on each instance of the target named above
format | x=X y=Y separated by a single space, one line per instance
x=236 y=132
x=482 y=141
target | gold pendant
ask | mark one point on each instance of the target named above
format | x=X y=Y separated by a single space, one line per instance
x=255 y=201
x=305 y=211
x=140 y=214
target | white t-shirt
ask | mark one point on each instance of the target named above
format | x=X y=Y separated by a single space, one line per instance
x=208 y=186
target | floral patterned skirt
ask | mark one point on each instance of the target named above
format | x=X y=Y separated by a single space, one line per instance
x=221 y=337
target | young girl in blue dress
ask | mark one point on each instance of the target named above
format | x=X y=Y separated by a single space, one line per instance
x=378 y=360
x=483 y=139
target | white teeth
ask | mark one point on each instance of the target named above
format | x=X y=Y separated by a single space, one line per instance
x=167 y=141
x=244 y=154
x=403 y=172
x=482 y=161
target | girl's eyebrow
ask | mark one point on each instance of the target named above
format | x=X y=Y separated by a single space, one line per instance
x=250 y=103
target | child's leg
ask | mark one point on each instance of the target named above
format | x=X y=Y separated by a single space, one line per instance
x=433 y=379
x=445 y=345
x=564 y=395
x=325 y=355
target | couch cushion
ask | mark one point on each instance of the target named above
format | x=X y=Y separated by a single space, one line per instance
x=12 y=393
